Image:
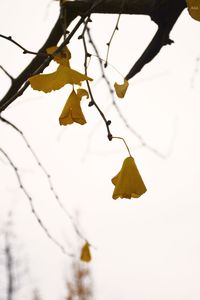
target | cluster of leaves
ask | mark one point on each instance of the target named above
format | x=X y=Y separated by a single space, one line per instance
x=128 y=182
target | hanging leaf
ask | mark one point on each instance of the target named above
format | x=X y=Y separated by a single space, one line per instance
x=128 y=182
x=56 y=80
x=85 y=253
x=121 y=89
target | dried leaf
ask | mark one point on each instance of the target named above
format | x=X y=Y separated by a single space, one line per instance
x=128 y=182
x=85 y=253
x=194 y=9
x=56 y=80
x=72 y=111
x=121 y=89
x=62 y=58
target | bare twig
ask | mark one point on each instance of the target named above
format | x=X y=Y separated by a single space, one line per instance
x=48 y=176
x=15 y=168
x=164 y=13
x=111 y=38
x=6 y=72
x=25 y=51
x=122 y=117
x=93 y=102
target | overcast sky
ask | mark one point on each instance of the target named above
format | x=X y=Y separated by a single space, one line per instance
x=146 y=248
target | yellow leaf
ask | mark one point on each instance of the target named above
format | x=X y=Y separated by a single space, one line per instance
x=56 y=80
x=48 y=82
x=63 y=57
x=74 y=77
x=85 y=253
x=194 y=9
x=82 y=92
x=121 y=89
x=128 y=182
x=72 y=110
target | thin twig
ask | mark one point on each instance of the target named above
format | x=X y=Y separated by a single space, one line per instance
x=93 y=102
x=114 y=31
x=48 y=176
x=122 y=117
x=25 y=51
x=15 y=168
x=6 y=72
x=110 y=137
x=111 y=38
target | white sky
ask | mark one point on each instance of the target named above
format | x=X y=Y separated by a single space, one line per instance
x=146 y=248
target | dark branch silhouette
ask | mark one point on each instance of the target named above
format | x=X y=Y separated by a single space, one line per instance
x=165 y=17
x=163 y=12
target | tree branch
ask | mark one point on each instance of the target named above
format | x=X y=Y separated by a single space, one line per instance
x=166 y=16
x=52 y=40
x=162 y=12
x=25 y=51
x=6 y=72
x=40 y=222
x=38 y=64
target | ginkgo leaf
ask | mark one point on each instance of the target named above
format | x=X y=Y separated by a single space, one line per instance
x=128 y=182
x=56 y=80
x=74 y=77
x=48 y=82
x=72 y=112
x=62 y=58
x=85 y=253
x=194 y=9
x=121 y=89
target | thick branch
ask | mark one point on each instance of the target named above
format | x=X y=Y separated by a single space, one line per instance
x=142 y=7
x=163 y=12
x=166 y=16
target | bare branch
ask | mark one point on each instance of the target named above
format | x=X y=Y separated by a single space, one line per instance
x=165 y=16
x=111 y=38
x=164 y=13
x=122 y=117
x=25 y=51
x=11 y=78
x=48 y=176
x=38 y=64
x=15 y=169
x=93 y=102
